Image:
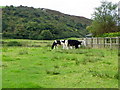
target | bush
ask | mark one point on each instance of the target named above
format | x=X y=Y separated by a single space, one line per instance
x=116 y=34
x=46 y=35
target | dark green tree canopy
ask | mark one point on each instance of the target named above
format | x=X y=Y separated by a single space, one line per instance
x=29 y=23
x=46 y=35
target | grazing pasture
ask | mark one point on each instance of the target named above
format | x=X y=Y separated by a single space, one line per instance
x=32 y=64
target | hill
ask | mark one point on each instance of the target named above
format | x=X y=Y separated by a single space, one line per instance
x=24 y=22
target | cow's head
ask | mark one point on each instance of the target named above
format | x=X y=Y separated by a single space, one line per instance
x=55 y=43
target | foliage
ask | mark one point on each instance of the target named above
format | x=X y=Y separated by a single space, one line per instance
x=116 y=34
x=105 y=19
x=46 y=35
x=41 y=67
x=27 y=23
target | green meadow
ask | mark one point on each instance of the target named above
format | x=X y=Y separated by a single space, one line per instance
x=32 y=64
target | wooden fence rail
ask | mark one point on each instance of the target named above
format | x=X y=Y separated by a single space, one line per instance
x=99 y=42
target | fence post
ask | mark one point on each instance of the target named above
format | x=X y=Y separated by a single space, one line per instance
x=116 y=42
x=86 y=41
x=119 y=43
x=110 y=42
x=97 y=42
x=104 y=42
x=92 y=42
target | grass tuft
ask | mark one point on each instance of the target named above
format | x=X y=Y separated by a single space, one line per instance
x=52 y=72
x=22 y=52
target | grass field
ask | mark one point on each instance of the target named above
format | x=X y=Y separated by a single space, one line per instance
x=33 y=64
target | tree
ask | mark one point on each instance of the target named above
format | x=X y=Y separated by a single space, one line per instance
x=46 y=35
x=105 y=19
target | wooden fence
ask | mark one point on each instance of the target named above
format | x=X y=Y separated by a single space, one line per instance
x=99 y=42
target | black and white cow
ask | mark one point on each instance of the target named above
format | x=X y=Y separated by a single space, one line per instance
x=68 y=43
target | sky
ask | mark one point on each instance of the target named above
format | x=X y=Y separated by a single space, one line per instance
x=83 y=8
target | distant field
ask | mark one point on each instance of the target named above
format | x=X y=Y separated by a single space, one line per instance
x=32 y=64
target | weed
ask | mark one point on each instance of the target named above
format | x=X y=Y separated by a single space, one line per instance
x=39 y=64
x=74 y=58
x=77 y=62
x=90 y=60
x=116 y=76
x=89 y=54
x=22 y=52
x=103 y=74
x=52 y=72
x=8 y=58
x=18 y=58
x=109 y=63
x=5 y=49
x=99 y=54
x=48 y=45
x=56 y=58
x=74 y=51
x=3 y=65
x=14 y=43
x=56 y=66
x=34 y=45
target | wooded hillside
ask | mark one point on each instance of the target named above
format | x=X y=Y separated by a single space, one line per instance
x=38 y=23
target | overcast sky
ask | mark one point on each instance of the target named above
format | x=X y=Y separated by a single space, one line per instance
x=73 y=7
